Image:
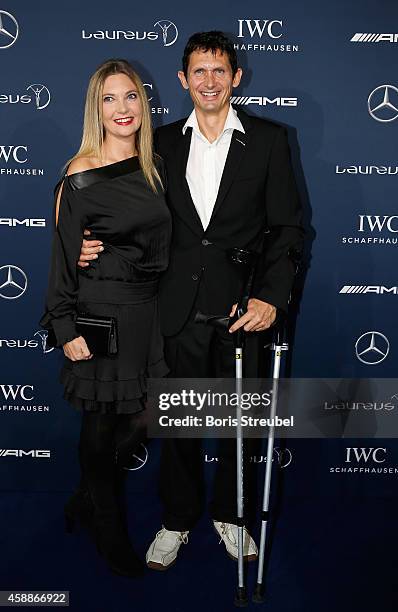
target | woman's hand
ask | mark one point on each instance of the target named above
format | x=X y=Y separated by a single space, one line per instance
x=90 y=250
x=77 y=349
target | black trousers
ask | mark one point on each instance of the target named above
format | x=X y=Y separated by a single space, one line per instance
x=199 y=351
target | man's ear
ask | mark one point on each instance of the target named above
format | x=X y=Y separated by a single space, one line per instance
x=237 y=77
x=183 y=80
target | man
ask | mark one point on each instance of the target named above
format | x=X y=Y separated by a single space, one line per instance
x=230 y=184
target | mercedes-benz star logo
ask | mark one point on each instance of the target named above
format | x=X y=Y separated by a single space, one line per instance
x=169 y=31
x=13 y=282
x=42 y=95
x=372 y=348
x=383 y=103
x=138 y=460
x=9 y=30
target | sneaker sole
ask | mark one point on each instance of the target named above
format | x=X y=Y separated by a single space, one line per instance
x=159 y=567
x=246 y=558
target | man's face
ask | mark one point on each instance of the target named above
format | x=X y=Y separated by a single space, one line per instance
x=209 y=80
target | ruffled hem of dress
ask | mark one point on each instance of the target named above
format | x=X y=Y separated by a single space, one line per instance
x=118 y=407
x=120 y=396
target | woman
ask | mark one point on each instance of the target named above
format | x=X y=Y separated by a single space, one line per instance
x=113 y=186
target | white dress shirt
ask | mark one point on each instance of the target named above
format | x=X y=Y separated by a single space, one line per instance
x=206 y=163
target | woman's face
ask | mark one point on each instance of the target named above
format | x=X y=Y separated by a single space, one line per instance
x=121 y=107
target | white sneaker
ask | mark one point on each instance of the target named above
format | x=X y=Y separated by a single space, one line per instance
x=162 y=553
x=229 y=535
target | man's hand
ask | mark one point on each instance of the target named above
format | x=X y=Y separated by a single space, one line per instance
x=77 y=349
x=89 y=250
x=259 y=316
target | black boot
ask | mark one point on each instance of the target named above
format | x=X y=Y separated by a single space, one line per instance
x=114 y=545
x=79 y=509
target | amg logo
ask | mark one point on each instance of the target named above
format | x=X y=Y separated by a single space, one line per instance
x=34 y=454
x=374 y=38
x=263 y=101
x=378 y=289
x=11 y=222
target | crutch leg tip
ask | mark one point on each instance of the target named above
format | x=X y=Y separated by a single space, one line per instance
x=258 y=595
x=241 y=600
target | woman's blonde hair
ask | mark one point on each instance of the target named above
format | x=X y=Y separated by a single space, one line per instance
x=93 y=130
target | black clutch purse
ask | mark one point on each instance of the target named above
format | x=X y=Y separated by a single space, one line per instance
x=100 y=333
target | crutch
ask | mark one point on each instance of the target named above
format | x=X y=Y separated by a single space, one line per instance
x=247 y=259
x=241 y=596
x=278 y=346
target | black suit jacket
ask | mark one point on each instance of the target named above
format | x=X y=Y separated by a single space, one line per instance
x=257 y=193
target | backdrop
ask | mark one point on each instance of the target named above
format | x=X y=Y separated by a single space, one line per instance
x=327 y=72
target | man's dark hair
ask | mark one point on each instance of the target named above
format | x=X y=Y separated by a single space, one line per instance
x=210 y=41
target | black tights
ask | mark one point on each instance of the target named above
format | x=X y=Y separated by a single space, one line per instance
x=107 y=442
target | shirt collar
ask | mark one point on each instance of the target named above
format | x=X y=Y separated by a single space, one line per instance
x=232 y=122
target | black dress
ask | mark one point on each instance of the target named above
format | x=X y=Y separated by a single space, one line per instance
x=116 y=204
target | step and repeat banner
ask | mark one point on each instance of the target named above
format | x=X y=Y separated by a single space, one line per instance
x=326 y=72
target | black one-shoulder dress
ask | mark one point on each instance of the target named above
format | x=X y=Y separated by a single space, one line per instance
x=116 y=204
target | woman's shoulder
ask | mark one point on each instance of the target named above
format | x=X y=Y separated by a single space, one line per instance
x=70 y=180
x=81 y=164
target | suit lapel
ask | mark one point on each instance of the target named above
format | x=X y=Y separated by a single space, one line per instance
x=186 y=207
x=236 y=152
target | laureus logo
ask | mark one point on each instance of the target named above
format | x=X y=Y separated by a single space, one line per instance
x=43 y=335
x=38 y=95
x=41 y=94
x=169 y=31
x=138 y=459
